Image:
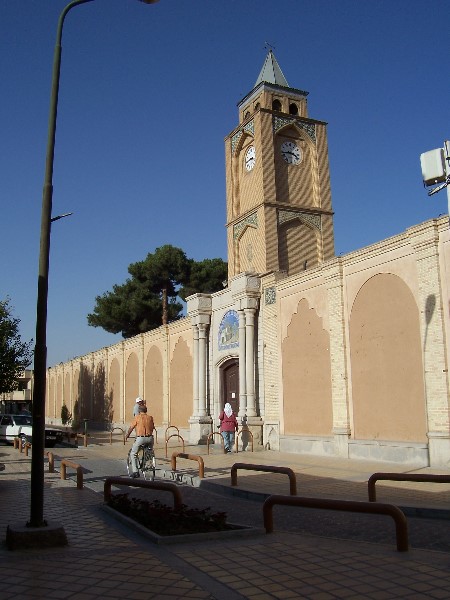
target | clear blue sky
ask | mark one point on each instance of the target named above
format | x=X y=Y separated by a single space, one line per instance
x=148 y=94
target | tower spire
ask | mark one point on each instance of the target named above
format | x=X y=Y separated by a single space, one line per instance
x=271 y=72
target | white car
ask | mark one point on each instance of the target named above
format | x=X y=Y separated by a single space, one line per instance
x=12 y=426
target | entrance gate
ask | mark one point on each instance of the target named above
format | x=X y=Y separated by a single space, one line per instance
x=230 y=385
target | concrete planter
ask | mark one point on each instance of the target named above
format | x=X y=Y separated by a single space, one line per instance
x=239 y=532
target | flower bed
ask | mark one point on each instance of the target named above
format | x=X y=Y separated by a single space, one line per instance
x=166 y=521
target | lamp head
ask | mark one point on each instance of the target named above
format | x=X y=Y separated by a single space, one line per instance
x=149 y=1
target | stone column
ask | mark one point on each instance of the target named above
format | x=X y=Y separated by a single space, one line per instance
x=242 y=366
x=195 y=368
x=338 y=356
x=250 y=360
x=199 y=310
x=202 y=370
x=246 y=292
x=425 y=239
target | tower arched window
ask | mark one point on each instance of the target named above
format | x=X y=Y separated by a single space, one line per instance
x=276 y=105
x=293 y=109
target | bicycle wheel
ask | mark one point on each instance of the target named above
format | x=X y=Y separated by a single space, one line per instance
x=129 y=468
x=140 y=461
x=149 y=463
x=153 y=467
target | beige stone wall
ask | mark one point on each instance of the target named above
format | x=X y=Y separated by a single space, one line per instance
x=306 y=374
x=181 y=382
x=154 y=384
x=386 y=360
x=113 y=391
x=351 y=357
x=363 y=345
x=104 y=384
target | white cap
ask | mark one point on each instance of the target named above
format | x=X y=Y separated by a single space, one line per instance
x=139 y=399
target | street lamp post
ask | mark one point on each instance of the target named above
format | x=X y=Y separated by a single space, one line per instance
x=40 y=353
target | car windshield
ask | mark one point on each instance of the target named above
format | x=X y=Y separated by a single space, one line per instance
x=23 y=420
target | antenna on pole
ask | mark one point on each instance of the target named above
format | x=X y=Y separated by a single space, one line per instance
x=436 y=170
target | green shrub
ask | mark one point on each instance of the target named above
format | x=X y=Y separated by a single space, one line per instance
x=66 y=416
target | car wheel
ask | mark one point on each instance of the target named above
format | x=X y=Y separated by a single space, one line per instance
x=50 y=445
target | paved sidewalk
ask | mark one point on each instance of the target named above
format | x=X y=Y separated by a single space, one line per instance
x=104 y=559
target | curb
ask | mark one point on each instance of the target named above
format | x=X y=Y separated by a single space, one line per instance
x=177 y=477
x=225 y=490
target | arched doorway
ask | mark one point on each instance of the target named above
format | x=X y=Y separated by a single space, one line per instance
x=230 y=385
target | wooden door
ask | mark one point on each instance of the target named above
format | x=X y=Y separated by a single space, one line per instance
x=231 y=386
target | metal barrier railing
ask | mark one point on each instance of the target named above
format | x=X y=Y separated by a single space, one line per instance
x=116 y=429
x=237 y=438
x=199 y=459
x=79 y=469
x=51 y=462
x=211 y=436
x=167 y=429
x=268 y=469
x=19 y=444
x=27 y=446
x=416 y=477
x=401 y=525
x=84 y=436
x=153 y=485
x=177 y=435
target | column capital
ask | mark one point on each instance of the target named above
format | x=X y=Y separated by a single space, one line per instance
x=244 y=304
x=199 y=308
x=249 y=314
x=246 y=284
x=202 y=329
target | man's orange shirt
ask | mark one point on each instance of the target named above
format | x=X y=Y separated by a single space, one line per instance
x=144 y=425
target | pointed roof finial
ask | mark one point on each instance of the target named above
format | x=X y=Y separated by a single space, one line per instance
x=271 y=72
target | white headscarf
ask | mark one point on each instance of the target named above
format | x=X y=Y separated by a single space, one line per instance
x=228 y=410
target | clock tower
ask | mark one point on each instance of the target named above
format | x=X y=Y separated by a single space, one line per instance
x=279 y=215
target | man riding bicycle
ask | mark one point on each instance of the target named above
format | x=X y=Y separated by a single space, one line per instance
x=144 y=425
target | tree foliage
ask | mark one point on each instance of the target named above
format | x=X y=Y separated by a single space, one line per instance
x=163 y=272
x=206 y=277
x=15 y=355
x=149 y=298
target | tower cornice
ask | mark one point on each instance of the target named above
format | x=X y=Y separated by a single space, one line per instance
x=272 y=87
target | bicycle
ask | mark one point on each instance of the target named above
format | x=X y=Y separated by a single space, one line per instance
x=145 y=460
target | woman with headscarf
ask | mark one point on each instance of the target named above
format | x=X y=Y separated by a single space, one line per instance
x=228 y=425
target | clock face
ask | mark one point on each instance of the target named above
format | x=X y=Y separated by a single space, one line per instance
x=291 y=153
x=250 y=158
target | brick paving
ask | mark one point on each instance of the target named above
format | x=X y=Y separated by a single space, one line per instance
x=312 y=554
